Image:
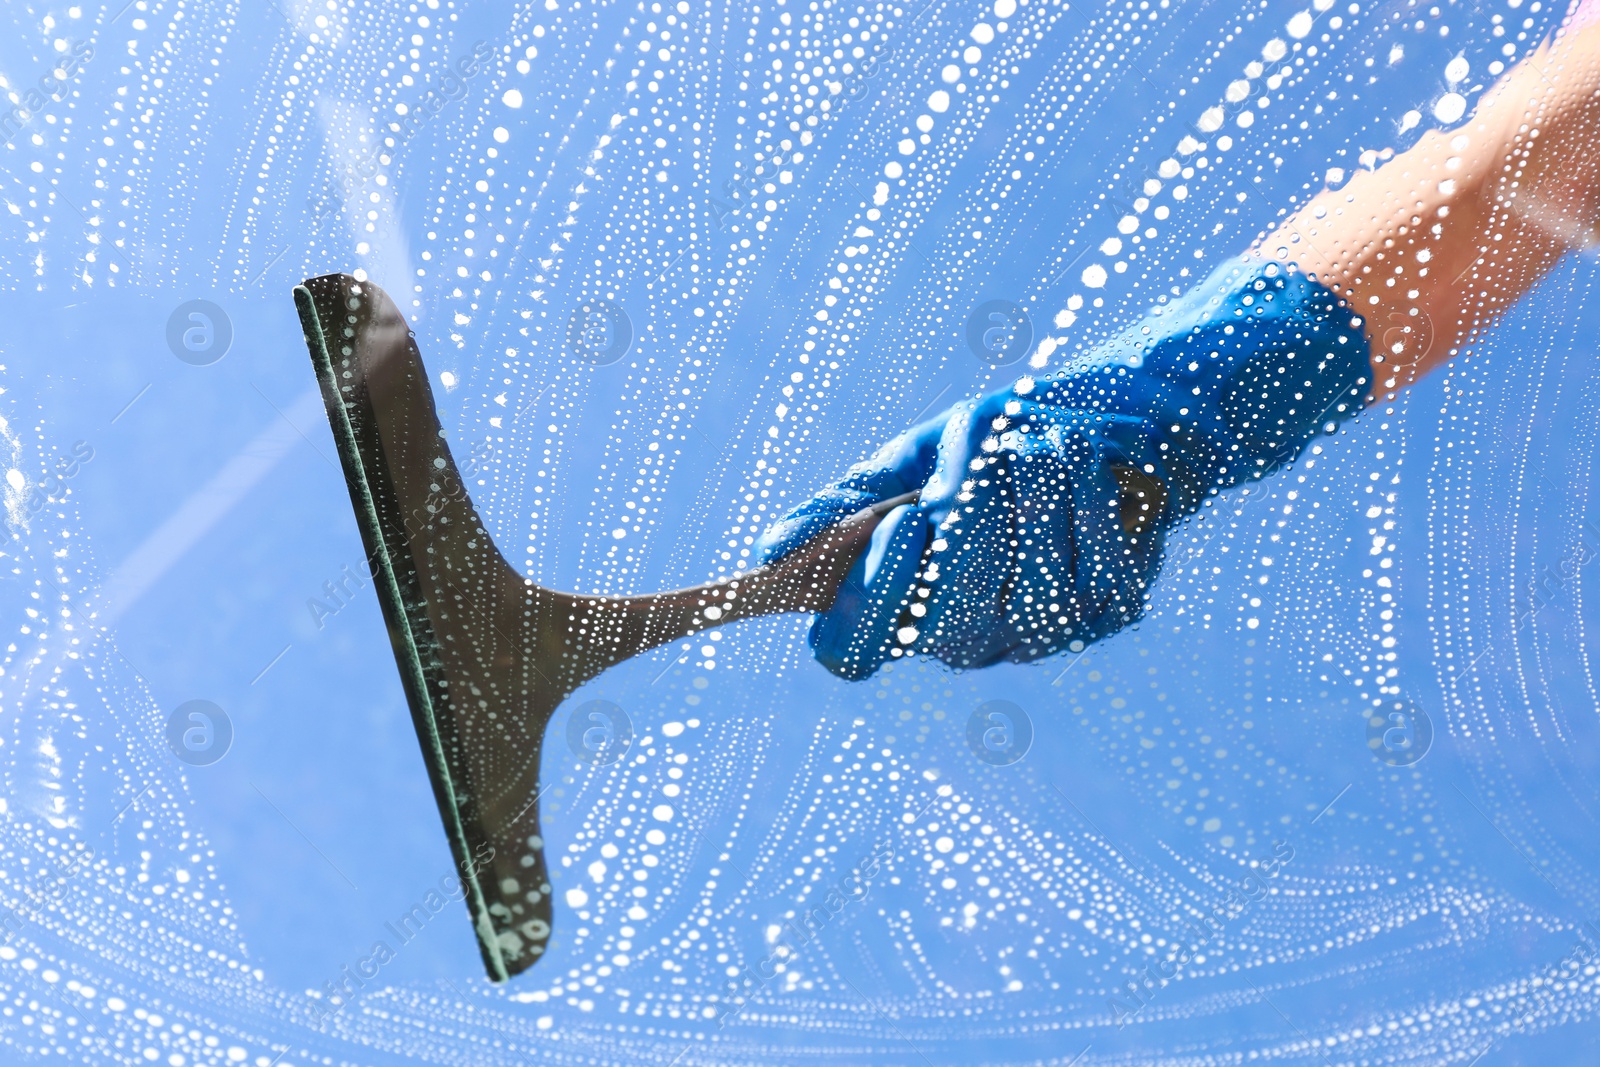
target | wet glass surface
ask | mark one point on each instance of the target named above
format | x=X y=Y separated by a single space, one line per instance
x=673 y=267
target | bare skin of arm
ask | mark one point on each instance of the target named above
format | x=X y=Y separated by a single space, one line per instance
x=1446 y=236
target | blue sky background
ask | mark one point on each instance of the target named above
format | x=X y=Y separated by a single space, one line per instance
x=1422 y=902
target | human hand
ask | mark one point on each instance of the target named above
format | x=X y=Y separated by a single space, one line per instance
x=1035 y=529
x=1043 y=508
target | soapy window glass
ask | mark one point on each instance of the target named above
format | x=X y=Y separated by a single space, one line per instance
x=672 y=268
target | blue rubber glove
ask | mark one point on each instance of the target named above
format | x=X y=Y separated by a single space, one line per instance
x=1043 y=507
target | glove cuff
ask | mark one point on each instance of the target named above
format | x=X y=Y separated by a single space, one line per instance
x=1226 y=383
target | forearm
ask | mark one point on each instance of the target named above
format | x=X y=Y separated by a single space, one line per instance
x=1450 y=233
x=1041 y=509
